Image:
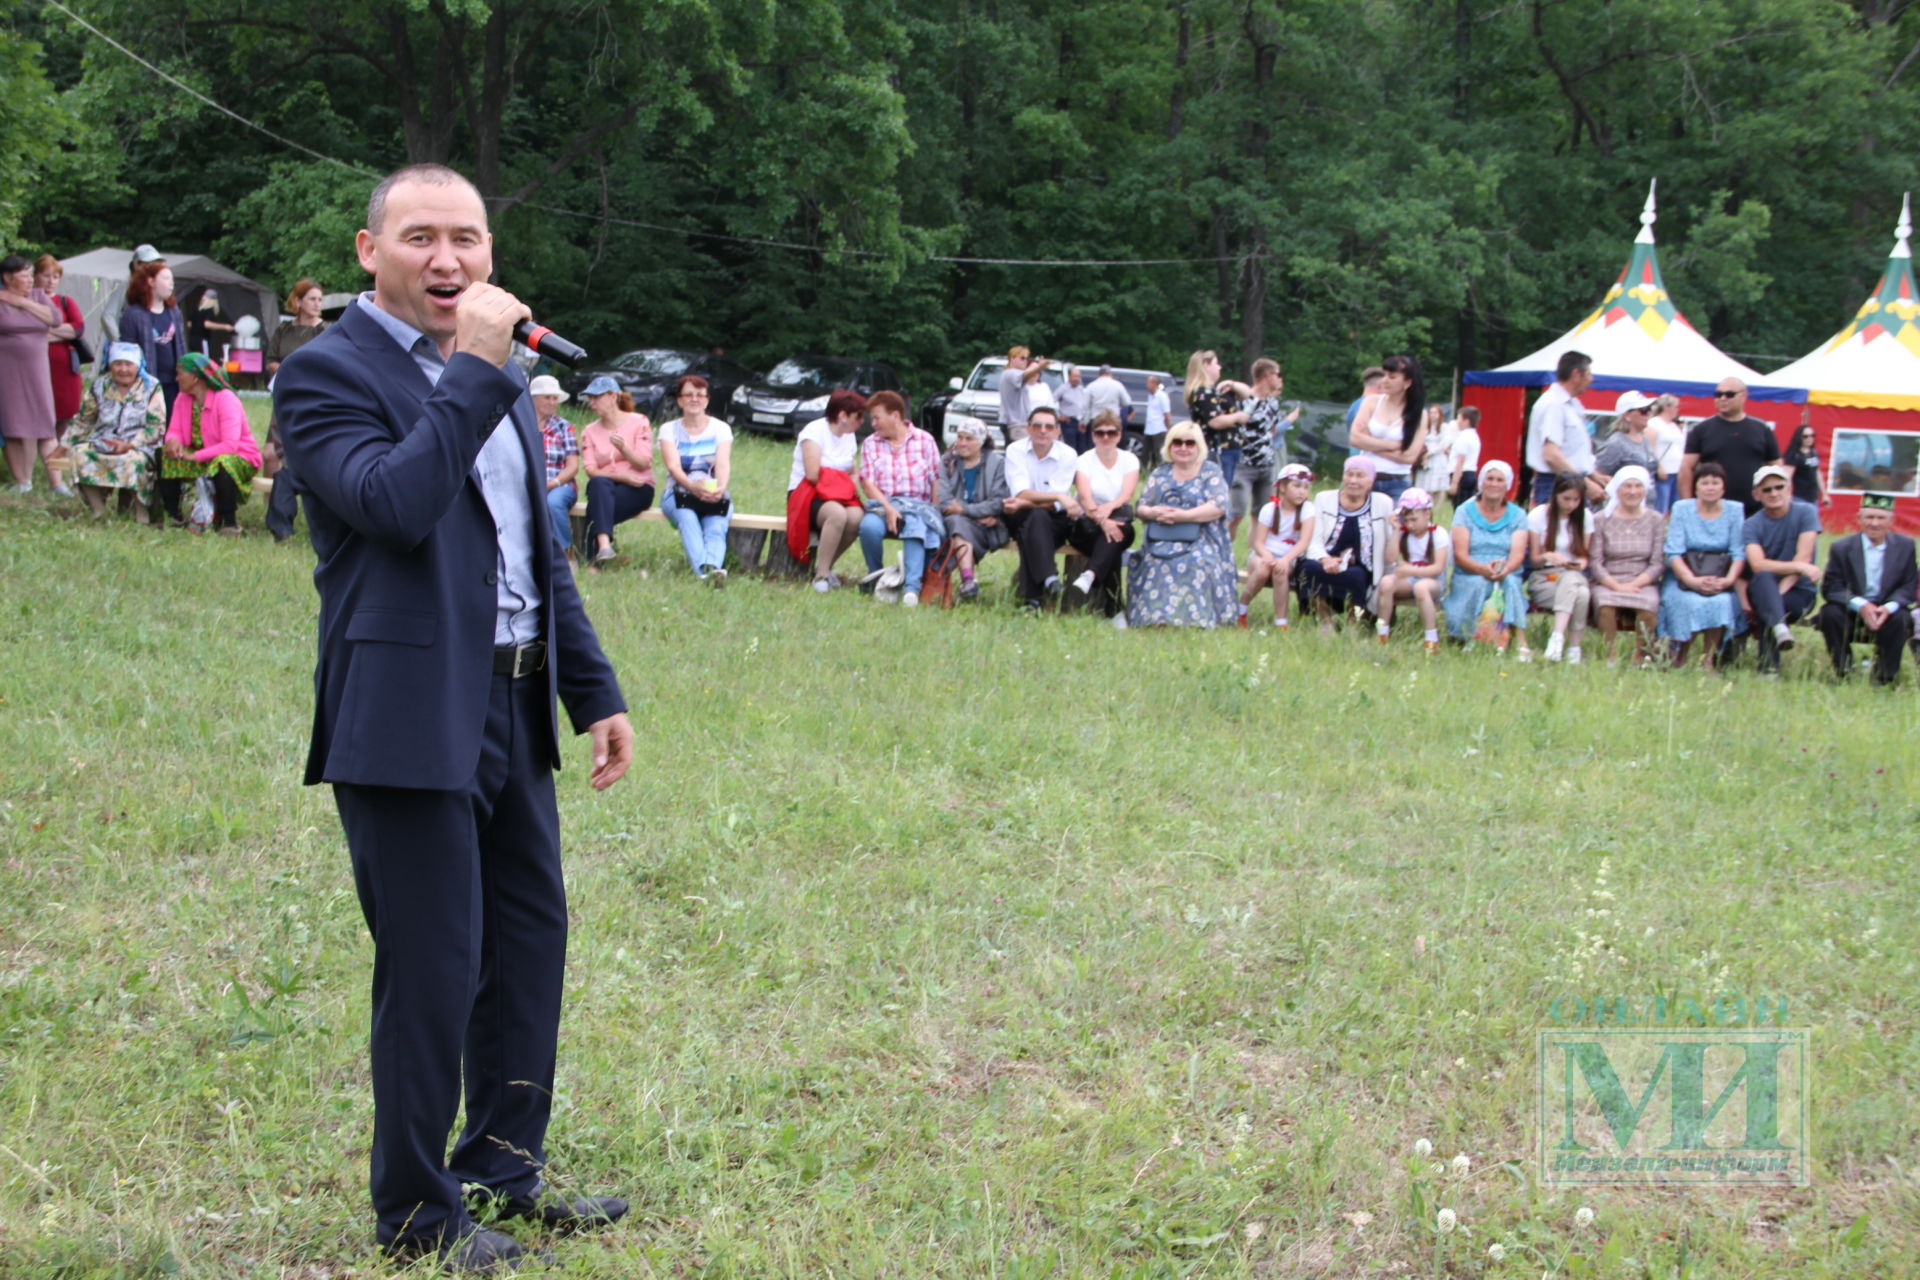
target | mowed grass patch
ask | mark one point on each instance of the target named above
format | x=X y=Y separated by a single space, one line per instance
x=946 y=943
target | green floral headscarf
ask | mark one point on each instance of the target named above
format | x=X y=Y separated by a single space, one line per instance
x=211 y=372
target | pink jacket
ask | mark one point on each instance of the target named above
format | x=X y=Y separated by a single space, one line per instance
x=223 y=427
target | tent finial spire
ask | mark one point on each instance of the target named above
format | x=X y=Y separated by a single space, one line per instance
x=1646 y=215
x=1902 y=232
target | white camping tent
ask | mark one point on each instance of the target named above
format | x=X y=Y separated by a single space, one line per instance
x=97 y=280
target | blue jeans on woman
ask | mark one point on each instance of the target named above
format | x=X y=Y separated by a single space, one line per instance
x=1664 y=493
x=913 y=552
x=1392 y=486
x=560 y=507
x=703 y=537
x=1229 y=463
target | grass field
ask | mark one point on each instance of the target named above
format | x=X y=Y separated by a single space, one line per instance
x=949 y=944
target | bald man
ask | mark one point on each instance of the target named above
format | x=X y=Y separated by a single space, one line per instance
x=1740 y=444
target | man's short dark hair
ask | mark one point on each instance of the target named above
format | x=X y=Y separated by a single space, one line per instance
x=1571 y=362
x=432 y=175
x=1047 y=409
x=1471 y=415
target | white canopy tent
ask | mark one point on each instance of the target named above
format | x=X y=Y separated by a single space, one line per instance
x=97 y=280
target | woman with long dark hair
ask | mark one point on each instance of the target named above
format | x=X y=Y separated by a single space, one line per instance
x=1557 y=529
x=1391 y=425
x=1803 y=456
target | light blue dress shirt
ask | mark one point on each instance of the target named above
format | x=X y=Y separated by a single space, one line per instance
x=1875 y=560
x=501 y=472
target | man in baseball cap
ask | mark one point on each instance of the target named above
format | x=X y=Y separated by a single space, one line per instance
x=1781 y=540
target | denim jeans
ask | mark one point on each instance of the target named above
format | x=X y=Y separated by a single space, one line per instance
x=913 y=552
x=560 y=507
x=1392 y=486
x=703 y=537
x=1230 y=463
x=1664 y=493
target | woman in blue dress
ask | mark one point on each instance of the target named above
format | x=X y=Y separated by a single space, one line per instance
x=1702 y=598
x=1490 y=551
x=1183 y=574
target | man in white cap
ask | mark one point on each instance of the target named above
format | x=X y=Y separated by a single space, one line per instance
x=1630 y=445
x=1782 y=538
x=562 y=448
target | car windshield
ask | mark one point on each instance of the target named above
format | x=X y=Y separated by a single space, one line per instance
x=810 y=371
x=986 y=376
x=652 y=362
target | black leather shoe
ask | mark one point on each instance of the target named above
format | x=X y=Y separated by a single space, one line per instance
x=477 y=1253
x=586 y=1213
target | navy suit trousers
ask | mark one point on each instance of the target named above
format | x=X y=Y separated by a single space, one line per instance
x=463 y=894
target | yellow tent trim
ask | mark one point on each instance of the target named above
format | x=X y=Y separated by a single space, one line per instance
x=1863 y=400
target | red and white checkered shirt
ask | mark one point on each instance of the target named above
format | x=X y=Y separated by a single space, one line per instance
x=556 y=434
x=909 y=471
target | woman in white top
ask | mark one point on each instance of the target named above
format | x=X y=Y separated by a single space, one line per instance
x=1285 y=528
x=1557 y=537
x=1105 y=481
x=699 y=454
x=831 y=444
x=1670 y=443
x=1435 y=471
x=1416 y=566
x=1463 y=456
x=1391 y=426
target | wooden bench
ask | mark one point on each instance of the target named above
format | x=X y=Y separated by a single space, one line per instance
x=757 y=542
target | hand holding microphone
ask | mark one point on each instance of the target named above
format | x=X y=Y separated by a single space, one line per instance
x=491 y=320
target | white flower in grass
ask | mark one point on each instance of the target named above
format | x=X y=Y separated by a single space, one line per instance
x=1583 y=1217
x=1423 y=1148
x=1446 y=1220
x=1496 y=1251
x=1461 y=1164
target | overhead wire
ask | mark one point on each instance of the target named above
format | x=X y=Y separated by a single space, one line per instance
x=611 y=219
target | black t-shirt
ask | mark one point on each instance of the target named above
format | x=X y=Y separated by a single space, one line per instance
x=1741 y=448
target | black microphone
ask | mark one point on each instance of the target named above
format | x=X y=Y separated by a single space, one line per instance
x=544 y=341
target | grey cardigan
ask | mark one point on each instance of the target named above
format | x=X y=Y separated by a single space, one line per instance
x=993 y=485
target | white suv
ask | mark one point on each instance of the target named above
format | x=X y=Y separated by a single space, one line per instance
x=979 y=396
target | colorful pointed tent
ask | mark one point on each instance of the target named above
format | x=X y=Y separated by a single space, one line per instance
x=1873 y=363
x=1863 y=394
x=1639 y=341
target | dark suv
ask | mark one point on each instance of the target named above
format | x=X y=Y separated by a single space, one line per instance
x=648 y=376
x=795 y=391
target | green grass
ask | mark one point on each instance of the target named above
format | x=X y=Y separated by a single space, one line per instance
x=946 y=944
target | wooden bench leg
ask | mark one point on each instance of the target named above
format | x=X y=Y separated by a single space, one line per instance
x=747 y=547
x=780 y=562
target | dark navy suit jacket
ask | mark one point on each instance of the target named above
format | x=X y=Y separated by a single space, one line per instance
x=1846 y=575
x=408 y=557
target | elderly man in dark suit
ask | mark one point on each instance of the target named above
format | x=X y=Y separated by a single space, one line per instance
x=1869 y=588
x=447 y=625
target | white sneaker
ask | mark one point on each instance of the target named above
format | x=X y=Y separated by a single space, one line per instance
x=1573 y=656
x=62 y=490
x=716 y=577
x=1556 y=643
x=1084 y=582
x=822 y=585
x=23 y=488
x=1119 y=622
x=1783 y=636
x=910 y=600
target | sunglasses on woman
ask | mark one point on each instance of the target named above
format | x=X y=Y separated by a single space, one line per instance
x=1107 y=433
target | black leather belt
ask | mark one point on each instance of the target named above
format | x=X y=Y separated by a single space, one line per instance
x=520 y=660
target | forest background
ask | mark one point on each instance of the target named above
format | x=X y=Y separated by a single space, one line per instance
x=1339 y=179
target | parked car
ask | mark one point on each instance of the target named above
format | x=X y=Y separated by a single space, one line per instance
x=795 y=391
x=648 y=376
x=978 y=397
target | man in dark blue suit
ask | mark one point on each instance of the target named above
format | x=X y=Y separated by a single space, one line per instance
x=447 y=626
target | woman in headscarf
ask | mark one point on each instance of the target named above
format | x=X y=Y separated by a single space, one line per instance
x=113 y=439
x=1627 y=562
x=208 y=438
x=1490 y=553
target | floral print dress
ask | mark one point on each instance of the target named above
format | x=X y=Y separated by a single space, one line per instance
x=1198 y=586
x=111 y=413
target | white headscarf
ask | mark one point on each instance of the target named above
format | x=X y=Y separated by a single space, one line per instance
x=1496 y=465
x=1620 y=477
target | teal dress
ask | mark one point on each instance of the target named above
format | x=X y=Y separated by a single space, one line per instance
x=1467 y=593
